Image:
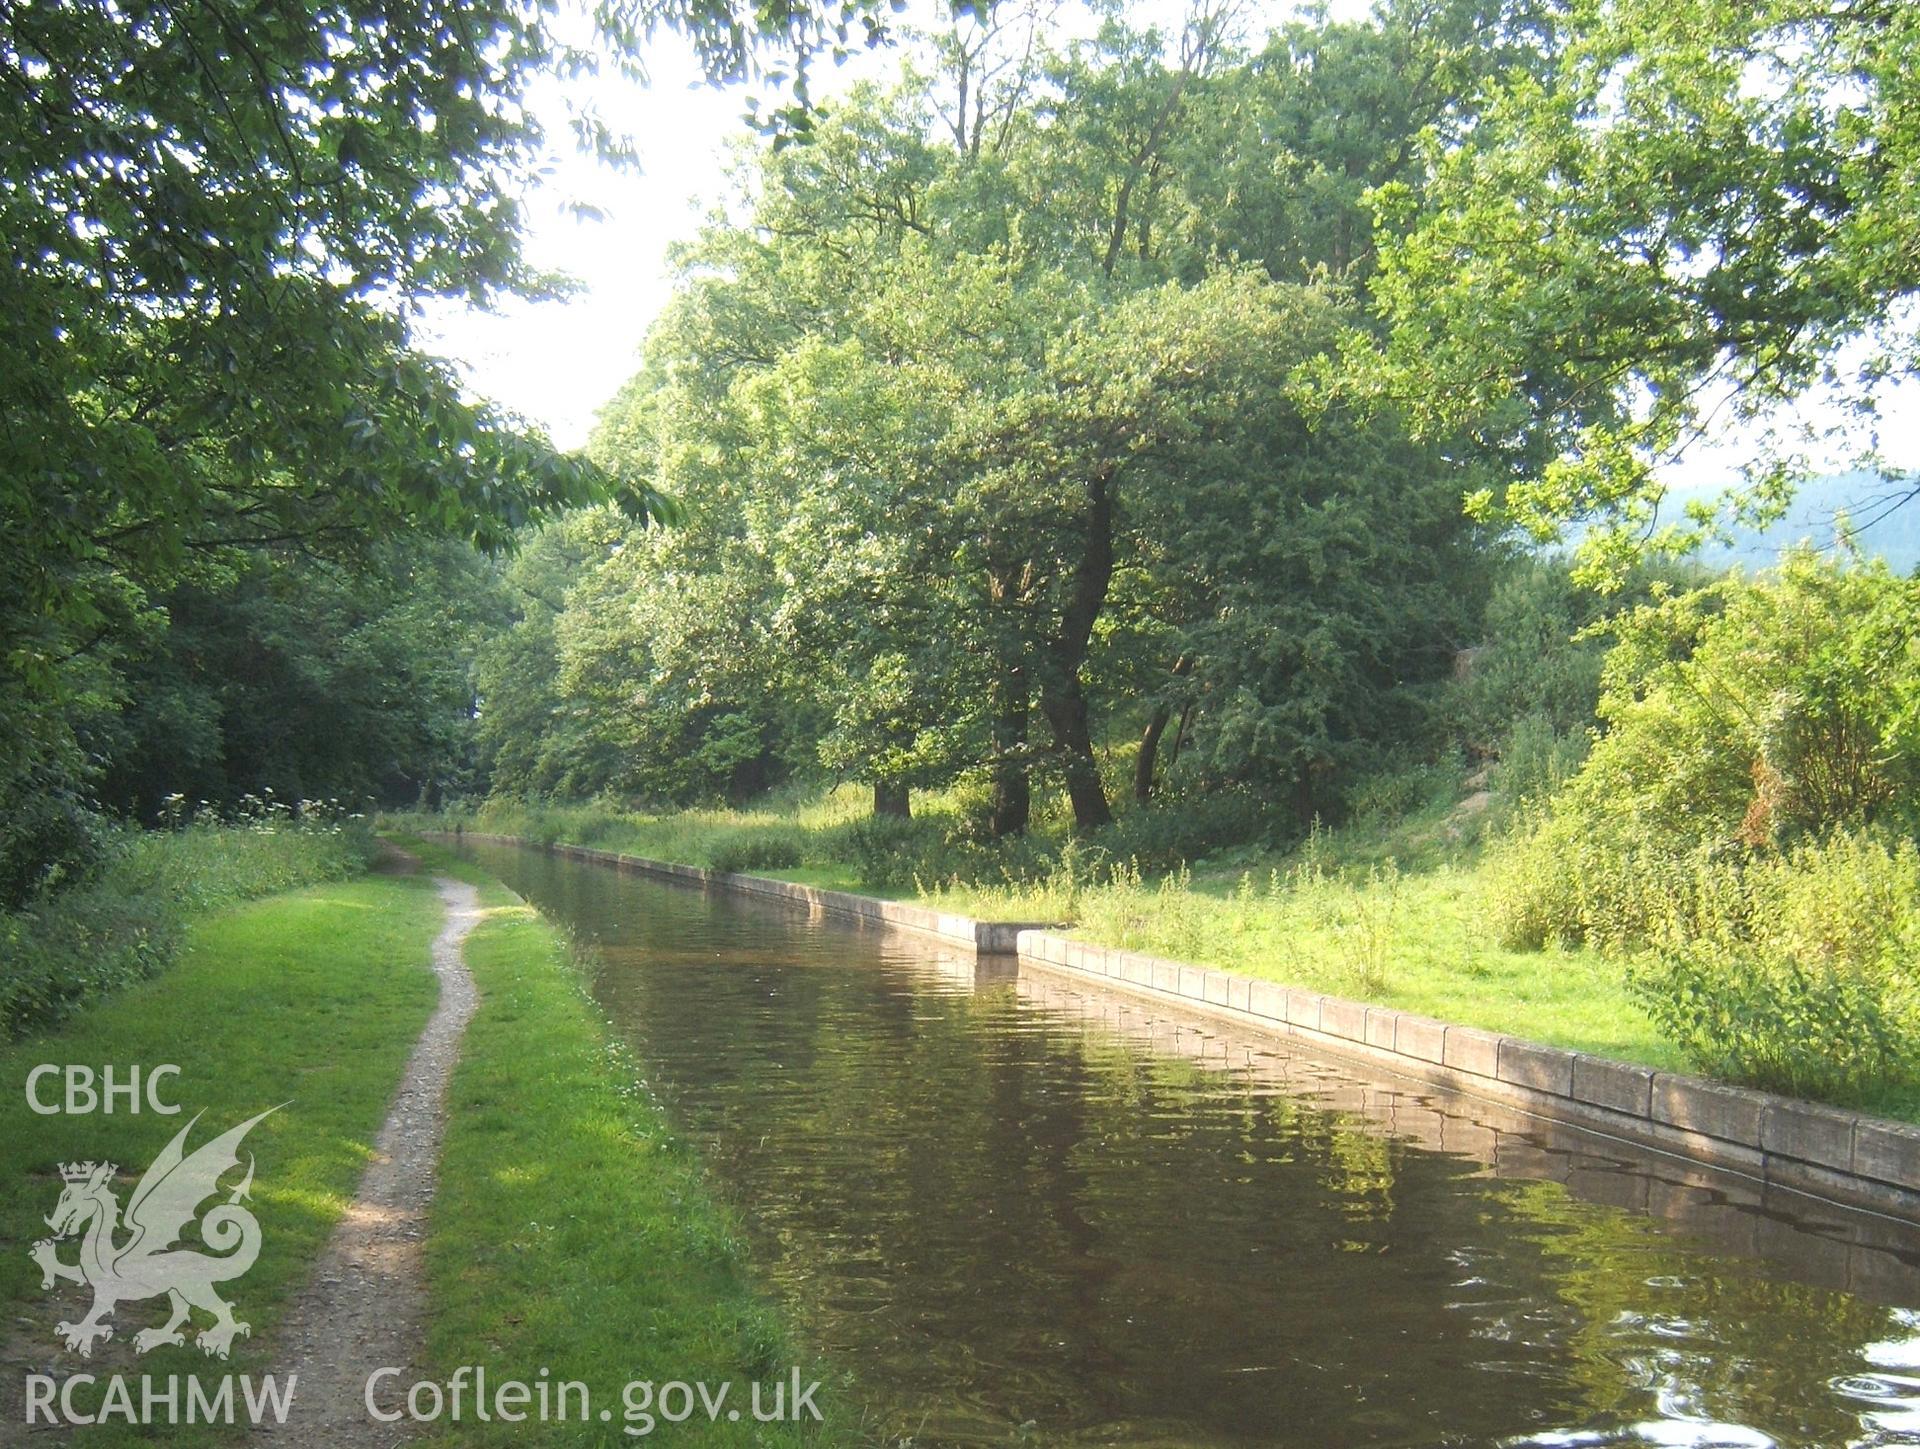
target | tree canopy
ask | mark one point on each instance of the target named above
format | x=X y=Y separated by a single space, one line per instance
x=986 y=410
x=222 y=216
x=1701 y=213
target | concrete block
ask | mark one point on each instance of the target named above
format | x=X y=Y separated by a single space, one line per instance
x=1887 y=1152
x=1693 y=1105
x=1216 y=988
x=1193 y=983
x=1420 y=1037
x=1237 y=992
x=1820 y=1135
x=1381 y=1022
x=1342 y=1018
x=1617 y=1085
x=1544 y=1069
x=1166 y=977
x=1468 y=1049
x=1268 y=999
x=1303 y=1008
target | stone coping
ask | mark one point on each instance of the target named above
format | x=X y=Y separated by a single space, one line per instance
x=1825 y=1152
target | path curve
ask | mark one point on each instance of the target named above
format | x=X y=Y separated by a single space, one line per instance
x=365 y=1306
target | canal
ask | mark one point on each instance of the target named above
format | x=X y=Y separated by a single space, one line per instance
x=1019 y=1210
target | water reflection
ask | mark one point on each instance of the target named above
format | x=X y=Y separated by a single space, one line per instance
x=1016 y=1209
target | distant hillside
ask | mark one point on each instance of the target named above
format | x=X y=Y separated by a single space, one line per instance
x=1863 y=497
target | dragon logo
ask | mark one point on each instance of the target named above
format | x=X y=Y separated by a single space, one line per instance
x=147 y=1263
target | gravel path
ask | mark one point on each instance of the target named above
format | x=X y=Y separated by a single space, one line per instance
x=366 y=1306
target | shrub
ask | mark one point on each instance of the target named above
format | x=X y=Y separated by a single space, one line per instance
x=1797 y=972
x=894 y=854
x=1537 y=759
x=1166 y=836
x=49 y=842
x=936 y=851
x=1389 y=795
x=1760 y=711
x=1533 y=663
x=759 y=850
x=1740 y=717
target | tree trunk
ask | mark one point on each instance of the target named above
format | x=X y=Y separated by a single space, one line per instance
x=1149 y=756
x=1180 y=736
x=1066 y=712
x=1012 y=790
x=1062 y=699
x=1143 y=763
x=890 y=798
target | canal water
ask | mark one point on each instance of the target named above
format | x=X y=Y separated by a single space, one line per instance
x=1016 y=1210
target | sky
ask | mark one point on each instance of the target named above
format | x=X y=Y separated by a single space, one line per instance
x=556 y=363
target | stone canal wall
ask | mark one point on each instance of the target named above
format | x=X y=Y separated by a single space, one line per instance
x=1798 y=1146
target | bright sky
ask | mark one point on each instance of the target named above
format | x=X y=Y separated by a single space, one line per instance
x=557 y=363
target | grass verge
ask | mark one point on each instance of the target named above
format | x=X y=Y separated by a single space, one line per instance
x=312 y=998
x=572 y=1235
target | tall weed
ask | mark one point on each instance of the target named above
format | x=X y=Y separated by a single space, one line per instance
x=1798 y=972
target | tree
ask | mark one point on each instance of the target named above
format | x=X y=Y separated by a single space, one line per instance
x=982 y=480
x=1690 y=221
x=222 y=216
x=301 y=680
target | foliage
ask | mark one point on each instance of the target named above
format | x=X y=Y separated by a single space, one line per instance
x=224 y=224
x=296 y=679
x=1761 y=711
x=1741 y=716
x=990 y=447
x=1689 y=218
x=761 y=850
x=1537 y=760
x=1538 y=661
x=1796 y=972
x=62 y=950
x=1164 y=835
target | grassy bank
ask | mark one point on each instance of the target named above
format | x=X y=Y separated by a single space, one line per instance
x=126 y=922
x=572 y=1232
x=311 y=998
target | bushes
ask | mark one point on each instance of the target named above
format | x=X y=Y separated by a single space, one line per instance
x=1740 y=717
x=888 y=853
x=1739 y=831
x=1760 y=711
x=1797 y=972
x=759 y=850
x=1537 y=759
x=64 y=949
x=1160 y=837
